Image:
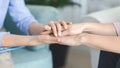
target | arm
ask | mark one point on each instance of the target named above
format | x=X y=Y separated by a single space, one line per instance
x=36 y=28
x=27 y=23
x=10 y=40
x=93 y=28
x=107 y=43
x=23 y=18
x=100 y=28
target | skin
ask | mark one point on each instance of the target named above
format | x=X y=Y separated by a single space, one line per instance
x=96 y=35
x=10 y=40
x=35 y=29
x=57 y=28
x=92 y=28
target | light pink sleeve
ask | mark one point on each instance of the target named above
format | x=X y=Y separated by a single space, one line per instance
x=117 y=27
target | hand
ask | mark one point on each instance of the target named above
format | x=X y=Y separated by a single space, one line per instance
x=56 y=28
x=71 y=40
x=74 y=29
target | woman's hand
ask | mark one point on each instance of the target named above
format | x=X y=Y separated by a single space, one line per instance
x=92 y=28
x=56 y=28
x=74 y=29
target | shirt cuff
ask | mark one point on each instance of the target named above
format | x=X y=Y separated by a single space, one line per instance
x=117 y=27
x=26 y=23
x=1 y=35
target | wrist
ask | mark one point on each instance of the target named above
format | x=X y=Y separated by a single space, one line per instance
x=85 y=27
x=90 y=27
x=15 y=40
x=85 y=39
x=25 y=40
x=36 y=28
x=41 y=39
x=33 y=40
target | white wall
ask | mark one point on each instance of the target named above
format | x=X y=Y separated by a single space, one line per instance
x=74 y=13
x=96 y=5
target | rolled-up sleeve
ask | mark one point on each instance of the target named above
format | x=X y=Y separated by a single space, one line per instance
x=117 y=27
x=21 y=15
x=1 y=35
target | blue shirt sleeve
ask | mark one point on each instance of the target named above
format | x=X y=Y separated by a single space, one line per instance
x=1 y=34
x=21 y=15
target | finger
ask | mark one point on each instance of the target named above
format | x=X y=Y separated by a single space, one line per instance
x=64 y=24
x=46 y=33
x=53 y=27
x=59 y=28
x=47 y=27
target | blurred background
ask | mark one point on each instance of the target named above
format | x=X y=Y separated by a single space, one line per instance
x=74 y=10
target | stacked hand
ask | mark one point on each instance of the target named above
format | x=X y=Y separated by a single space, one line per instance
x=90 y=34
x=64 y=33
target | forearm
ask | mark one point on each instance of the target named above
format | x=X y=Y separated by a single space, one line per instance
x=107 y=43
x=10 y=40
x=100 y=28
x=35 y=28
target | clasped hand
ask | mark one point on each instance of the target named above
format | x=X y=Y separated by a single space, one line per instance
x=64 y=33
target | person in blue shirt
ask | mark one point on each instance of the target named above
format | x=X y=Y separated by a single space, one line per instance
x=26 y=23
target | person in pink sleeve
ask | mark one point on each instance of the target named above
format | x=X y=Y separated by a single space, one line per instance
x=96 y=35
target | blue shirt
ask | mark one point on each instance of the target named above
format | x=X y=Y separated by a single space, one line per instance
x=20 y=15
